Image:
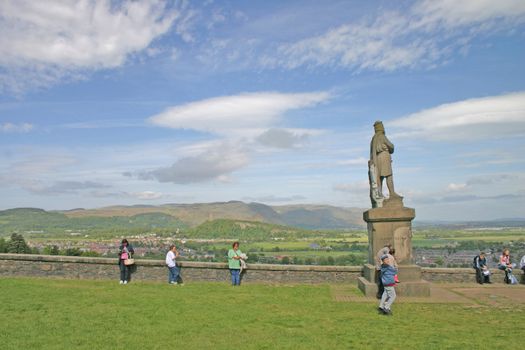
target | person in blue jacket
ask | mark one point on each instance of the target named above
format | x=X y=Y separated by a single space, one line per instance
x=388 y=273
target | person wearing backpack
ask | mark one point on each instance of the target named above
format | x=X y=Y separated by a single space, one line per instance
x=482 y=270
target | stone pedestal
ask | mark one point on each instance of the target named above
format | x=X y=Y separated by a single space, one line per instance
x=392 y=224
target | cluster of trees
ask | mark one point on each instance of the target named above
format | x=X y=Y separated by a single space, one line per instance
x=224 y=228
x=17 y=245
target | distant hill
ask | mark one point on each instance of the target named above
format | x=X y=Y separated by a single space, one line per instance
x=214 y=220
x=225 y=228
x=41 y=221
x=302 y=216
x=473 y=225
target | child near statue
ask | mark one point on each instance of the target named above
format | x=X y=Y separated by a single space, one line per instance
x=388 y=273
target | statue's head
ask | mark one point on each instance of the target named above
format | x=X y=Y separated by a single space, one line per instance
x=378 y=126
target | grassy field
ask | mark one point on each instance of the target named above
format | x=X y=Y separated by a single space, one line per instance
x=72 y=314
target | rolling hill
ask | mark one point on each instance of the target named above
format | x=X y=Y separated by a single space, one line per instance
x=302 y=216
x=193 y=217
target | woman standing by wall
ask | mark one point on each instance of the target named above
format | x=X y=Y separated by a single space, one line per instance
x=125 y=251
x=234 y=263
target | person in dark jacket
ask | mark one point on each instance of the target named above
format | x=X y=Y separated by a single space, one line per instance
x=482 y=270
x=388 y=273
x=125 y=251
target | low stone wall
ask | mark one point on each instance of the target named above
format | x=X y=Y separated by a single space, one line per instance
x=463 y=275
x=155 y=270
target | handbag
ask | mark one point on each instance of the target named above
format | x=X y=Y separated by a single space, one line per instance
x=129 y=261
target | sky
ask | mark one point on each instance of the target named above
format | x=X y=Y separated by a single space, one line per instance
x=151 y=102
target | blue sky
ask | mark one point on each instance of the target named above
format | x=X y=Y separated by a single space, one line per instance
x=151 y=102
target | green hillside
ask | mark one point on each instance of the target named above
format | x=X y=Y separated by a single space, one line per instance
x=223 y=228
x=41 y=222
x=316 y=217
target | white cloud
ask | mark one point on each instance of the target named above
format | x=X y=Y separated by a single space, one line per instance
x=60 y=187
x=12 y=127
x=51 y=40
x=487 y=117
x=452 y=187
x=216 y=163
x=147 y=195
x=281 y=138
x=224 y=115
x=452 y=13
x=425 y=35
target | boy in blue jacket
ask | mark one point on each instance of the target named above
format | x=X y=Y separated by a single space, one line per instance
x=387 y=277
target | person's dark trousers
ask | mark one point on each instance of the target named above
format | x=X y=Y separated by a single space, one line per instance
x=479 y=276
x=504 y=268
x=380 y=287
x=124 y=271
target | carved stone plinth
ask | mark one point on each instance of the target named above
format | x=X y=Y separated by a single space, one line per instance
x=392 y=224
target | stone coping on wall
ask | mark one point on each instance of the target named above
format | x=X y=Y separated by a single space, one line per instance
x=448 y=270
x=190 y=264
x=266 y=272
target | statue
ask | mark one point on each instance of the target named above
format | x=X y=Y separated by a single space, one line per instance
x=380 y=166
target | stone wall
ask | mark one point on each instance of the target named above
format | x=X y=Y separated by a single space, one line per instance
x=155 y=270
x=463 y=275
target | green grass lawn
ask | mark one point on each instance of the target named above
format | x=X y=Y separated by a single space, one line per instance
x=72 y=314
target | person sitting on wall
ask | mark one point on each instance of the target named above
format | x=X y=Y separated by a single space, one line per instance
x=482 y=270
x=506 y=265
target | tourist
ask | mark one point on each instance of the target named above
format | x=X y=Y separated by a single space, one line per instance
x=383 y=251
x=173 y=270
x=125 y=252
x=234 y=263
x=392 y=261
x=522 y=263
x=506 y=265
x=482 y=270
x=389 y=294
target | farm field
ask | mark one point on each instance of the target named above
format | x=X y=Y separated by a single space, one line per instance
x=80 y=314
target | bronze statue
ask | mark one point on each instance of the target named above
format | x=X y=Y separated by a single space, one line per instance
x=380 y=166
